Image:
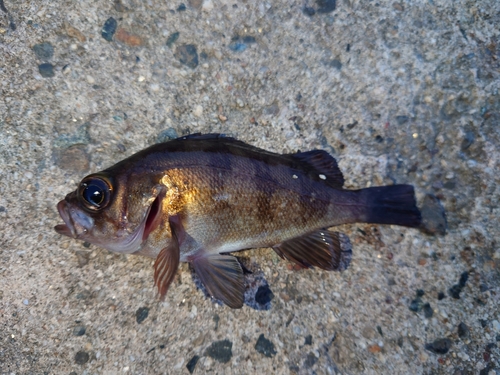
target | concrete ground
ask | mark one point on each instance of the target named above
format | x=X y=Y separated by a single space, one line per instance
x=398 y=92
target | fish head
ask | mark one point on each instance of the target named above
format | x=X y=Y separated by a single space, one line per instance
x=113 y=212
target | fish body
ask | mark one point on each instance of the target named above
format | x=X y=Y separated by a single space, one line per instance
x=197 y=197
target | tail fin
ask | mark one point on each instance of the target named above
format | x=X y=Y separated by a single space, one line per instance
x=393 y=204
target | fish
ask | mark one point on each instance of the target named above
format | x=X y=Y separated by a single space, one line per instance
x=200 y=197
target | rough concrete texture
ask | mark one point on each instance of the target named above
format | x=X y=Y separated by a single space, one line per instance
x=398 y=92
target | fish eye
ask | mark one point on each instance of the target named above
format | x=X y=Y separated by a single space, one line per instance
x=95 y=193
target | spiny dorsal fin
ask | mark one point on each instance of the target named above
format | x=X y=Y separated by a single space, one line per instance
x=223 y=277
x=321 y=166
x=327 y=250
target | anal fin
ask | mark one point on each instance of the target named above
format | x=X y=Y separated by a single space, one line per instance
x=222 y=275
x=327 y=250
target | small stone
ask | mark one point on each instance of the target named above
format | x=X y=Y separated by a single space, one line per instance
x=308 y=340
x=402 y=119
x=309 y=11
x=198 y=111
x=265 y=347
x=181 y=8
x=220 y=351
x=463 y=330
x=439 y=346
x=109 y=29
x=46 y=70
x=81 y=357
x=141 y=314
x=483 y=322
x=187 y=55
x=374 y=348
x=264 y=295
x=196 y=4
x=167 y=135
x=207 y=5
x=420 y=293
x=79 y=331
x=237 y=46
x=44 y=51
x=463 y=279
x=131 y=40
x=454 y=291
x=398 y=6
x=416 y=305
x=326 y=6
x=428 y=312
x=433 y=216
x=90 y=80
x=26 y=302
x=192 y=363
x=310 y=360
x=172 y=38
x=441 y=296
x=335 y=64
x=74 y=33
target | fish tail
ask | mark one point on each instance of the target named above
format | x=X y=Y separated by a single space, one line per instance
x=393 y=204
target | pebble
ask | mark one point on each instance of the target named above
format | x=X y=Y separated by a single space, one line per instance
x=309 y=11
x=237 y=46
x=82 y=357
x=207 y=6
x=439 y=346
x=187 y=55
x=26 y=302
x=428 y=312
x=198 y=111
x=167 y=135
x=109 y=29
x=192 y=363
x=335 y=64
x=310 y=361
x=326 y=6
x=141 y=314
x=90 y=80
x=496 y=325
x=131 y=40
x=46 y=70
x=181 y=7
x=44 y=51
x=264 y=295
x=433 y=216
x=172 y=38
x=402 y=119
x=416 y=305
x=220 y=351
x=79 y=331
x=74 y=33
x=265 y=347
x=308 y=340
x=455 y=291
x=463 y=330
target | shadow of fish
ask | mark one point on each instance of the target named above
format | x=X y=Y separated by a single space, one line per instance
x=198 y=197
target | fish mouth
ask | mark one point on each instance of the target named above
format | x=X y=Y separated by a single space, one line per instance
x=68 y=228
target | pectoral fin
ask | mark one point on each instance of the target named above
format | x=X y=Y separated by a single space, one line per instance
x=330 y=251
x=223 y=277
x=167 y=262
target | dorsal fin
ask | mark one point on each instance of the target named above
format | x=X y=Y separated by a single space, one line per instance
x=321 y=166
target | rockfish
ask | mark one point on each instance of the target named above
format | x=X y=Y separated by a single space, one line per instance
x=195 y=198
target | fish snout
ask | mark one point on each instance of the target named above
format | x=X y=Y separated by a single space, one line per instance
x=76 y=222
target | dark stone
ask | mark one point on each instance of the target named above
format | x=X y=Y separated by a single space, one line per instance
x=187 y=55
x=463 y=279
x=326 y=6
x=81 y=357
x=46 y=70
x=335 y=64
x=379 y=330
x=237 y=46
x=172 y=38
x=428 y=312
x=308 y=340
x=2 y=209
x=439 y=346
x=141 y=314
x=308 y=11
x=420 y=292
x=79 y=331
x=264 y=346
x=441 y=296
x=44 y=51
x=483 y=288
x=109 y=29
x=264 y=295
x=463 y=330
x=310 y=360
x=167 y=135
x=181 y=7
x=416 y=305
x=433 y=216
x=468 y=140
x=379 y=139
x=498 y=338
x=192 y=363
x=216 y=320
x=402 y=119
x=483 y=322
x=220 y=351
x=454 y=291
x=248 y=39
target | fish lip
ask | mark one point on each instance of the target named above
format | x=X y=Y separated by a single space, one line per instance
x=68 y=228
